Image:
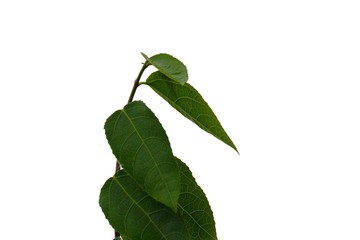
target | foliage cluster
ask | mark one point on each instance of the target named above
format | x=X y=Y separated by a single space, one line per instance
x=153 y=194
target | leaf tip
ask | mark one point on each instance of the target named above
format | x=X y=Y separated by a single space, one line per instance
x=232 y=145
x=235 y=148
x=144 y=55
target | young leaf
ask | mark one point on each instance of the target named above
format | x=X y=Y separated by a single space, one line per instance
x=169 y=66
x=135 y=215
x=189 y=103
x=195 y=208
x=141 y=145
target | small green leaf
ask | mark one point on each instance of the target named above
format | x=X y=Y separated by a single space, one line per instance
x=135 y=215
x=141 y=145
x=195 y=208
x=170 y=66
x=189 y=103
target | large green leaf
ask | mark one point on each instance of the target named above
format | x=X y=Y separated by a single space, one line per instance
x=142 y=147
x=170 y=66
x=188 y=101
x=134 y=214
x=195 y=208
x=137 y=216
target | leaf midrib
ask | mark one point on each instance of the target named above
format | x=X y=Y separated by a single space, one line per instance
x=224 y=137
x=150 y=153
x=139 y=206
x=181 y=109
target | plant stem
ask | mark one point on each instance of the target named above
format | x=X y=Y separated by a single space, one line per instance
x=137 y=80
x=131 y=97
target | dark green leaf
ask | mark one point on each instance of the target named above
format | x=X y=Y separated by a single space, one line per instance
x=170 y=66
x=135 y=215
x=195 y=208
x=190 y=103
x=142 y=147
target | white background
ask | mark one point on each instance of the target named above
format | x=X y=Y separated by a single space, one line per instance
x=282 y=77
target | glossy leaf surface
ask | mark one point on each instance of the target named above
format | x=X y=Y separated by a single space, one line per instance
x=188 y=101
x=135 y=215
x=195 y=208
x=141 y=145
x=169 y=66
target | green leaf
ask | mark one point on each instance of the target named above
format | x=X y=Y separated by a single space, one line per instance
x=169 y=66
x=141 y=145
x=195 y=208
x=189 y=103
x=135 y=215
